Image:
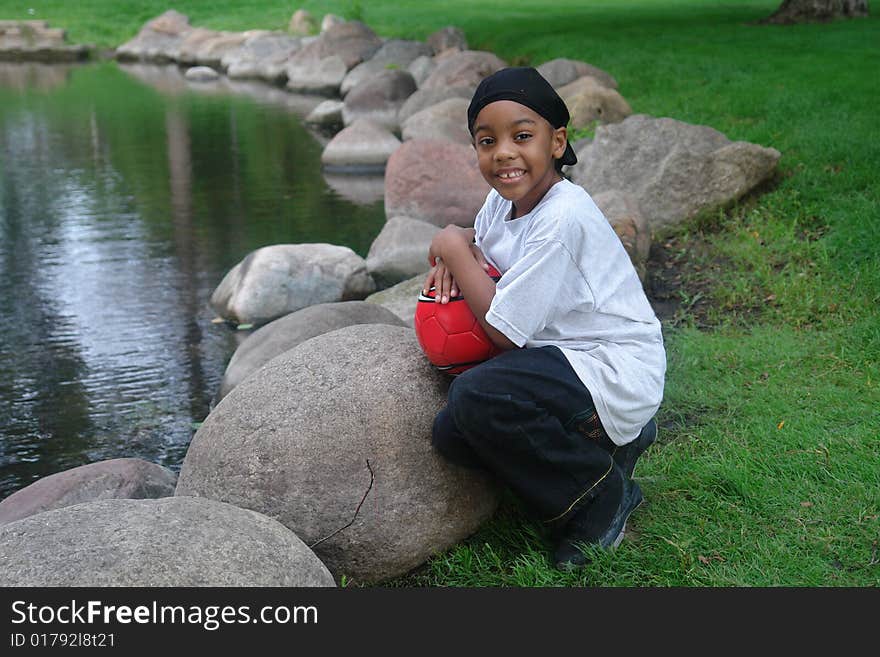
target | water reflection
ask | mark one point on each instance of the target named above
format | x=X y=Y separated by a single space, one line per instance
x=171 y=81
x=121 y=207
x=363 y=189
x=34 y=75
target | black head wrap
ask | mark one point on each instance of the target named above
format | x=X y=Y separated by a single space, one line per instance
x=525 y=86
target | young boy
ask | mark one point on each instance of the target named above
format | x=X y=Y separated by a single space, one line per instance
x=562 y=414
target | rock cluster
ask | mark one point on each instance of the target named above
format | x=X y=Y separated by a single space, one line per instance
x=397 y=108
x=36 y=41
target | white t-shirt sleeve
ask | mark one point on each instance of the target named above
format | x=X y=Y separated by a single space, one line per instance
x=483 y=217
x=543 y=284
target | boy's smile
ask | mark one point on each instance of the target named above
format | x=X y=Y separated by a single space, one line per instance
x=516 y=151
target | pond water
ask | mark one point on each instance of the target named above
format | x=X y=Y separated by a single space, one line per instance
x=126 y=194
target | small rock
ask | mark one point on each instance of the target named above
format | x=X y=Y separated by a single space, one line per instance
x=330 y=21
x=560 y=72
x=201 y=74
x=590 y=102
x=328 y=114
x=302 y=23
x=446 y=38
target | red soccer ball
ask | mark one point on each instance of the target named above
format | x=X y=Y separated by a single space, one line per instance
x=450 y=335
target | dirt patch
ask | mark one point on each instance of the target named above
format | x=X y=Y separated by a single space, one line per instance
x=681 y=274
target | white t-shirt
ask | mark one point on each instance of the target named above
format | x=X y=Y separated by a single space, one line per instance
x=567 y=281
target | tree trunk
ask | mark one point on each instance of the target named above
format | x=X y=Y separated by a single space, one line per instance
x=803 y=11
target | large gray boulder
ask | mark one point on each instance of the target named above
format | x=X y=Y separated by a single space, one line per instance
x=379 y=98
x=263 y=56
x=159 y=39
x=674 y=170
x=424 y=98
x=276 y=280
x=559 y=72
x=333 y=439
x=400 y=251
x=352 y=41
x=286 y=332
x=363 y=146
x=335 y=52
x=321 y=77
x=395 y=54
x=192 y=40
x=401 y=299
x=210 y=50
x=463 y=69
x=447 y=120
x=434 y=181
x=126 y=478
x=175 y=541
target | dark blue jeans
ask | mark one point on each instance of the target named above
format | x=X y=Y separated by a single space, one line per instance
x=525 y=416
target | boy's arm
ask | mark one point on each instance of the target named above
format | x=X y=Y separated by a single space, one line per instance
x=452 y=246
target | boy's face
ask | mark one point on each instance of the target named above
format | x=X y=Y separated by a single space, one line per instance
x=516 y=151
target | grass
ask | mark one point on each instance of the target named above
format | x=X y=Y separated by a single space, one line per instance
x=767 y=472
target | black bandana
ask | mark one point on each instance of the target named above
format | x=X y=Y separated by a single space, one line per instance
x=525 y=86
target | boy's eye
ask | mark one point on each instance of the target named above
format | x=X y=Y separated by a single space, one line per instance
x=485 y=141
x=522 y=136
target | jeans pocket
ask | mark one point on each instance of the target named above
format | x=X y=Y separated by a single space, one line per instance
x=588 y=424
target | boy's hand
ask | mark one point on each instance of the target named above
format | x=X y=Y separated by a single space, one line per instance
x=441 y=279
x=440 y=276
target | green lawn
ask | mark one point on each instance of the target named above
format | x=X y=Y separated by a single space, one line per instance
x=767 y=472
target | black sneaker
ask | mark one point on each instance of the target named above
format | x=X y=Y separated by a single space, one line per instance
x=569 y=555
x=627 y=455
